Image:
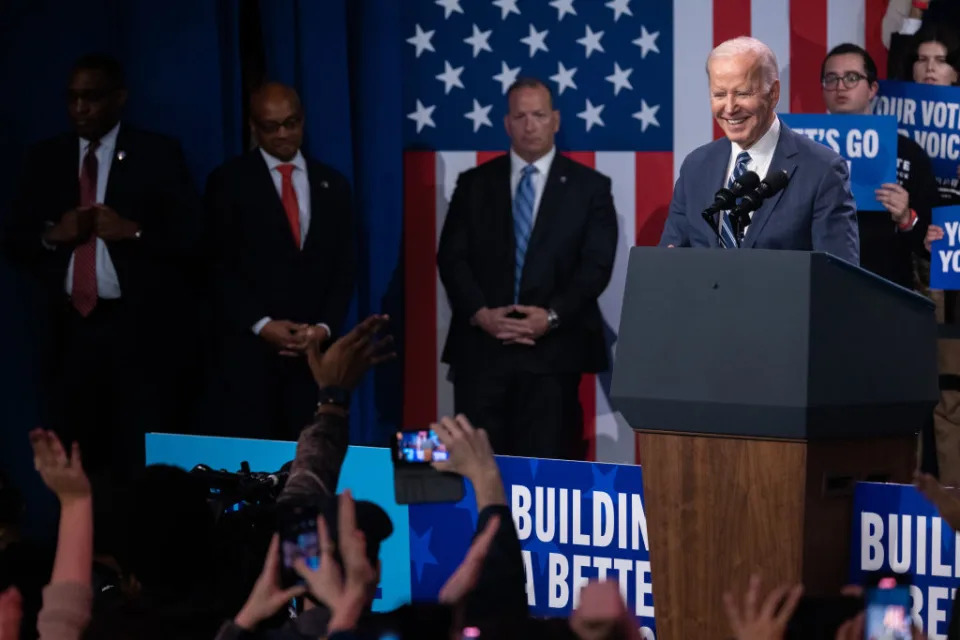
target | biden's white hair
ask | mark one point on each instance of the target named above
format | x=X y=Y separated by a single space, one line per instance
x=745 y=45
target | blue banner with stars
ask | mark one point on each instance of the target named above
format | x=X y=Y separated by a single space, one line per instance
x=608 y=64
x=577 y=521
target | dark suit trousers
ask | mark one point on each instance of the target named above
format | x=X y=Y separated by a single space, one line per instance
x=96 y=392
x=525 y=414
x=266 y=395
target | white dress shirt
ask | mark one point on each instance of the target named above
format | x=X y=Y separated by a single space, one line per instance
x=108 y=285
x=761 y=154
x=301 y=186
x=539 y=178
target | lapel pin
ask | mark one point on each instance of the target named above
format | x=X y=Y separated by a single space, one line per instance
x=324 y=184
x=563 y=179
x=121 y=155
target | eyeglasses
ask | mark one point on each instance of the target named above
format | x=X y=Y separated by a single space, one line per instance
x=850 y=80
x=272 y=126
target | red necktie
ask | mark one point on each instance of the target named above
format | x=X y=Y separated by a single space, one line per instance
x=289 y=199
x=84 y=296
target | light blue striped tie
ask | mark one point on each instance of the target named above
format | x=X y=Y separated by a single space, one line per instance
x=522 y=223
x=727 y=239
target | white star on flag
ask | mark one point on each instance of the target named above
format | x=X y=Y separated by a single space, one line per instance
x=647 y=115
x=479 y=115
x=619 y=7
x=506 y=7
x=536 y=40
x=423 y=116
x=421 y=40
x=620 y=78
x=507 y=76
x=564 y=78
x=450 y=77
x=647 y=42
x=591 y=41
x=563 y=7
x=479 y=41
x=449 y=7
x=591 y=114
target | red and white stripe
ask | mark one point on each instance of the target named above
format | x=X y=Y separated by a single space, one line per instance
x=800 y=32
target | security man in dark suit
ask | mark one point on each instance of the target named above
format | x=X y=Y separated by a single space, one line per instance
x=286 y=262
x=526 y=249
x=106 y=217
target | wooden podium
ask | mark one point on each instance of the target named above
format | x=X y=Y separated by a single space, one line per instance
x=764 y=385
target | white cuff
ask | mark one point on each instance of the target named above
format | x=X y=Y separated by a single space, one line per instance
x=910 y=26
x=261 y=323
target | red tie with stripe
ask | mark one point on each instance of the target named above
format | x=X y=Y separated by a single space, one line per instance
x=84 y=295
x=288 y=196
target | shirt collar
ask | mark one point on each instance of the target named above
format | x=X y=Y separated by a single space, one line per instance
x=542 y=163
x=107 y=140
x=273 y=162
x=763 y=147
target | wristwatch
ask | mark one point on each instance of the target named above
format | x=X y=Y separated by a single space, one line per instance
x=553 y=320
x=334 y=395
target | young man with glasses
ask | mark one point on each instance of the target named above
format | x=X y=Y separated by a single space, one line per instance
x=889 y=237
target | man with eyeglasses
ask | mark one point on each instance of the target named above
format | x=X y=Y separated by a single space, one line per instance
x=282 y=225
x=104 y=217
x=889 y=238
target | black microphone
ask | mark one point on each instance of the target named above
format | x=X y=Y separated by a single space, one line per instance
x=771 y=185
x=725 y=199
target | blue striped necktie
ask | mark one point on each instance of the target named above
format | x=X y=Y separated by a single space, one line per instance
x=522 y=223
x=727 y=239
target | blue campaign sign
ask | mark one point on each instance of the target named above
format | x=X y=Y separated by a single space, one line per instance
x=367 y=472
x=867 y=143
x=896 y=529
x=945 y=253
x=930 y=115
x=576 y=521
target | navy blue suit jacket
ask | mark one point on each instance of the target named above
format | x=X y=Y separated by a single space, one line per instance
x=815 y=212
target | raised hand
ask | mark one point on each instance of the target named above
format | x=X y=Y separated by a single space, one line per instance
x=63 y=474
x=351 y=356
x=267 y=596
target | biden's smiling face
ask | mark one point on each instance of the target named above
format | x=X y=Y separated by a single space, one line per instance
x=741 y=104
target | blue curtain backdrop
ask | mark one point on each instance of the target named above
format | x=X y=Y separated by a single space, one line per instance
x=183 y=64
x=344 y=59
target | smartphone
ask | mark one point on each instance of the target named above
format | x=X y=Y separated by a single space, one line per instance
x=888 y=611
x=418 y=446
x=298 y=539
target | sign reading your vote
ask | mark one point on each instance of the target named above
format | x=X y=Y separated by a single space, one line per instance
x=867 y=143
x=945 y=253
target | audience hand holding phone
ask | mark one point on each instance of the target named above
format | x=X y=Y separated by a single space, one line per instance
x=470 y=455
x=346 y=592
x=467 y=575
x=770 y=621
x=267 y=596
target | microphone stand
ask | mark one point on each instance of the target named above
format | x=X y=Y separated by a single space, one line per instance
x=714 y=224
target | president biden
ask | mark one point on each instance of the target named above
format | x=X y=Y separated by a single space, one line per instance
x=814 y=211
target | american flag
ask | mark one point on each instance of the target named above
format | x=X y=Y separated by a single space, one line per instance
x=628 y=79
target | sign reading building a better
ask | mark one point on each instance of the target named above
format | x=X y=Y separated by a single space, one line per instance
x=945 y=253
x=576 y=522
x=896 y=529
x=867 y=143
